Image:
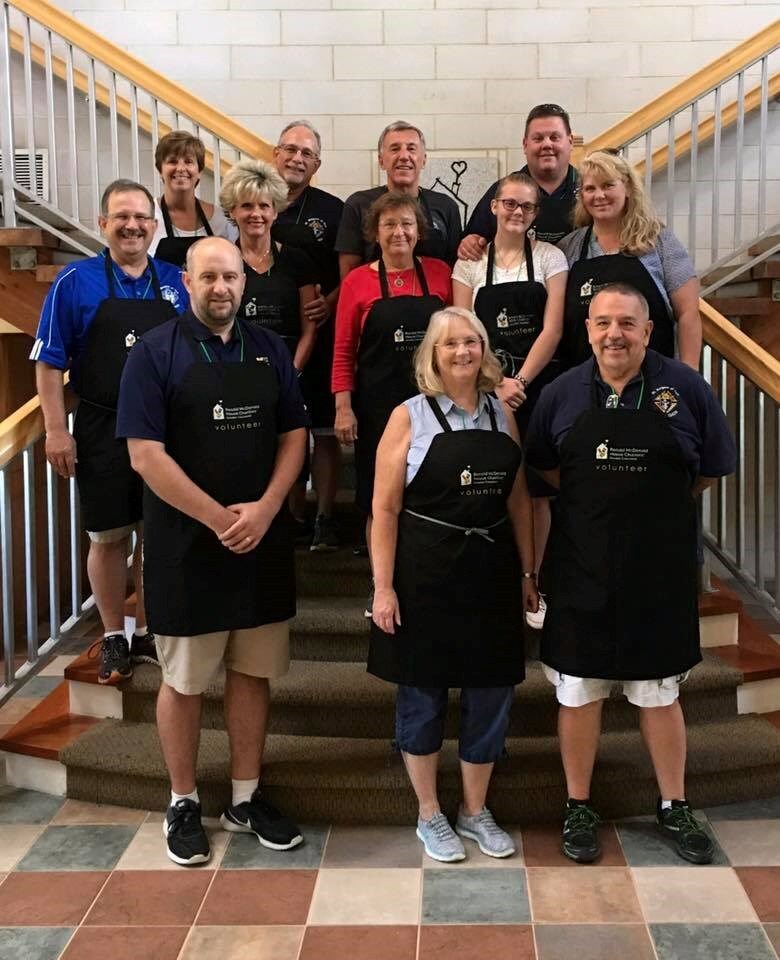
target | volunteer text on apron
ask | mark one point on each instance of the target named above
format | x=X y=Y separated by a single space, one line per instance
x=110 y=490
x=221 y=430
x=622 y=555
x=272 y=300
x=586 y=278
x=393 y=330
x=174 y=249
x=457 y=571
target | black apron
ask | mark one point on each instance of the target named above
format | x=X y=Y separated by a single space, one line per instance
x=586 y=278
x=554 y=220
x=221 y=430
x=457 y=571
x=109 y=489
x=174 y=249
x=622 y=554
x=384 y=375
x=272 y=300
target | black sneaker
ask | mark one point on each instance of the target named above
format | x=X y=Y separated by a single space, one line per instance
x=143 y=650
x=114 y=658
x=680 y=825
x=259 y=817
x=325 y=537
x=368 y=613
x=187 y=840
x=304 y=531
x=580 y=838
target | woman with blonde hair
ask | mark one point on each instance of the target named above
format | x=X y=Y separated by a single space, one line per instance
x=452 y=521
x=620 y=239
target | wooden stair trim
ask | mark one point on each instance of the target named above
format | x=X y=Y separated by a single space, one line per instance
x=756 y=654
x=47 y=728
x=25 y=425
x=27 y=237
x=750 y=359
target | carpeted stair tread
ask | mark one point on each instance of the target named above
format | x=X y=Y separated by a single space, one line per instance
x=340 y=574
x=331 y=615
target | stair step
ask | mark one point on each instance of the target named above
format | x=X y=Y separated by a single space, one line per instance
x=744 y=306
x=27 y=237
x=769 y=269
x=762 y=245
x=362 y=781
x=330 y=628
x=742 y=288
x=337 y=574
x=343 y=700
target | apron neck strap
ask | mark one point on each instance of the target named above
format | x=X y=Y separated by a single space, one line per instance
x=594 y=393
x=527 y=253
x=199 y=212
x=385 y=287
x=154 y=281
x=201 y=350
x=585 y=243
x=437 y=412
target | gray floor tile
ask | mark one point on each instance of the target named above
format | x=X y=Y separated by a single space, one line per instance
x=78 y=848
x=27 y=806
x=644 y=846
x=40 y=686
x=475 y=896
x=768 y=809
x=33 y=943
x=718 y=941
x=247 y=853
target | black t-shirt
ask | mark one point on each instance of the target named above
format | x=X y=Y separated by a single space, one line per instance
x=443 y=210
x=320 y=213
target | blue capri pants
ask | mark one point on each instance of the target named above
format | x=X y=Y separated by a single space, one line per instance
x=420 y=714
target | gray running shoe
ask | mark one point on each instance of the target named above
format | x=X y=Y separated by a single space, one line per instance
x=482 y=828
x=440 y=840
x=326 y=538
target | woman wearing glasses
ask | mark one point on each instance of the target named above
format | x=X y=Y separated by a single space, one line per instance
x=517 y=290
x=452 y=521
x=181 y=217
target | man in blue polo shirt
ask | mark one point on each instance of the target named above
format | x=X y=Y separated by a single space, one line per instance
x=216 y=426
x=630 y=438
x=95 y=312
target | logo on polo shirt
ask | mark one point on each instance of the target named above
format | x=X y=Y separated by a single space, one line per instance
x=171 y=294
x=666 y=400
x=317 y=226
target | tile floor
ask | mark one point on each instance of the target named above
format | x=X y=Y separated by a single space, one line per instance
x=75 y=878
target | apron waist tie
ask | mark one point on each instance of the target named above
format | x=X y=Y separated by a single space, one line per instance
x=483 y=532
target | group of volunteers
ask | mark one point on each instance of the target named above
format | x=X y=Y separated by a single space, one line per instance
x=516 y=408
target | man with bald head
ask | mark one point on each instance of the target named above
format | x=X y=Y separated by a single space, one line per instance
x=216 y=427
x=630 y=438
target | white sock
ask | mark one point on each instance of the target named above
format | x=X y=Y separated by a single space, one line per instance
x=175 y=797
x=113 y=633
x=243 y=790
x=141 y=631
x=667 y=804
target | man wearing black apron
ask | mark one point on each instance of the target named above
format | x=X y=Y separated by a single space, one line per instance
x=311 y=222
x=402 y=156
x=216 y=427
x=94 y=314
x=630 y=438
x=547 y=143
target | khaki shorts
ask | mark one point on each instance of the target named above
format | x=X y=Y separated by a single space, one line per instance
x=112 y=536
x=579 y=691
x=190 y=664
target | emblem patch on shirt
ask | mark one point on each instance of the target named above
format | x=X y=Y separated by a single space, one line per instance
x=218 y=412
x=465 y=477
x=502 y=320
x=602 y=450
x=130 y=339
x=171 y=294
x=317 y=226
x=667 y=400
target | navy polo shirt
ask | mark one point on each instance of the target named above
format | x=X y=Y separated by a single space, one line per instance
x=321 y=213
x=677 y=391
x=76 y=294
x=157 y=364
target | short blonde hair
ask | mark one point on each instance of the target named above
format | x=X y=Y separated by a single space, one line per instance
x=247 y=180
x=426 y=370
x=641 y=227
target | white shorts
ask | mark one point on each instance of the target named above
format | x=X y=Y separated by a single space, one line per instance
x=579 y=691
x=112 y=536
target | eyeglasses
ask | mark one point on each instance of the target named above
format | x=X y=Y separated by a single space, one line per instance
x=510 y=205
x=392 y=224
x=290 y=150
x=471 y=343
x=123 y=218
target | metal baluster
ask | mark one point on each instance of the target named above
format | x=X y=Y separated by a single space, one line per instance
x=776 y=526
x=157 y=191
x=759 y=465
x=93 y=141
x=134 y=131
x=762 y=143
x=7 y=125
x=114 y=126
x=30 y=553
x=715 y=226
x=217 y=169
x=75 y=538
x=28 y=97
x=740 y=147
x=670 y=186
x=72 y=148
x=6 y=544
x=722 y=516
x=52 y=508
x=707 y=362
x=693 y=185
x=54 y=193
x=741 y=471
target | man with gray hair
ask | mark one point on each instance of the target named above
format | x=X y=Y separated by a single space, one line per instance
x=402 y=156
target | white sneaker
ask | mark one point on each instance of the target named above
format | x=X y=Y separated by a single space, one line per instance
x=536 y=620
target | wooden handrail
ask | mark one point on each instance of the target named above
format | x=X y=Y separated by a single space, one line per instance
x=759 y=366
x=127 y=66
x=690 y=89
x=728 y=117
x=25 y=425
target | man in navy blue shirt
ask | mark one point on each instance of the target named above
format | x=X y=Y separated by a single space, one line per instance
x=216 y=426
x=95 y=312
x=630 y=438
